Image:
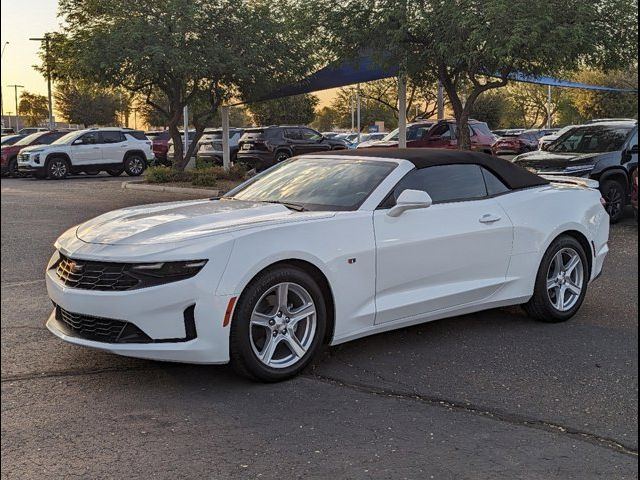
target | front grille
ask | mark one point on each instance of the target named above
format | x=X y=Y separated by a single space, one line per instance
x=89 y=275
x=24 y=157
x=100 y=329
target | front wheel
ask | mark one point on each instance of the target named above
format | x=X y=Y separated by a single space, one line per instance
x=278 y=325
x=561 y=283
x=614 y=195
x=281 y=156
x=134 y=165
x=58 y=168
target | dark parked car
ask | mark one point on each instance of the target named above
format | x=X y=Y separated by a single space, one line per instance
x=10 y=152
x=634 y=193
x=261 y=148
x=607 y=152
x=517 y=143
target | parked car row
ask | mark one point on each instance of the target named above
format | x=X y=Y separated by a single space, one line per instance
x=57 y=154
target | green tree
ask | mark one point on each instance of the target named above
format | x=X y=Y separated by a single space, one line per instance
x=297 y=110
x=327 y=118
x=593 y=104
x=491 y=107
x=34 y=108
x=199 y=53
x=462 y=42
x=86 y=104
x=530 y=106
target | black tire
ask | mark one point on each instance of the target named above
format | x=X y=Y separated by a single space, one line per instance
x=615 y=195
x=135 y=165
x=541 y=306
x=12 y=168
x=282 y=155
x=58 y=168
x=115 y=172
x=243 y=357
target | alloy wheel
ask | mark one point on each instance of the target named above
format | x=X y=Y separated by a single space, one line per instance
x=565 y=279
x=613 y=197
x=58 y=168
x=136 y=167
x=283 y=325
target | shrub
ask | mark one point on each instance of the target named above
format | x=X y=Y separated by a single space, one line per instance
x=204 y=177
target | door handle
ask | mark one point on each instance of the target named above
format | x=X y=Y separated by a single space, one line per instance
x=490 y=218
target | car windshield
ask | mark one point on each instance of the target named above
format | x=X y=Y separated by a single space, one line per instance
x=414 y=132
x=591 y=139
x=11 y=139
x=29 y=139
x=319 y=184
x=68 y=138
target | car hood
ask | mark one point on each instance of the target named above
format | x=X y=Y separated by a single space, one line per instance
x=43 y=147
x=180 y=221
x=551 y=160
x=380 y=144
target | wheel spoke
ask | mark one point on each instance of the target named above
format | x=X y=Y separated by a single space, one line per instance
x=573 y=263
x=302 y=314
x=283 y=296
x=560 y=300
x=294 y=345
x=573 y=288
x=558 y=263
x=266 y=355
x=551 y=283
x=260 y=320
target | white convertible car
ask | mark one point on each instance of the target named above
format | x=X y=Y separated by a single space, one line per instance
x=323 y=249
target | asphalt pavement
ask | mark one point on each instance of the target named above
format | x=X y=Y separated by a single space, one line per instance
x=492 y=395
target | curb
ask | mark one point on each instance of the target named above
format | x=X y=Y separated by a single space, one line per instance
x=142 y=186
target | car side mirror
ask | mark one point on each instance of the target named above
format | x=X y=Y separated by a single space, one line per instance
x=410 y=200
x=79 y=141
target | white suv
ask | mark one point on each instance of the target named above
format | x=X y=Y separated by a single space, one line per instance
x=114 y=150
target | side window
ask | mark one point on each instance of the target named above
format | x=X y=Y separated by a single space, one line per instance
x=446 y=183
x=634 y=140
x=310 y=135
x=494 y=184
x=112 y=137
x=89 y=138
x=292 y=134
x=441 y=130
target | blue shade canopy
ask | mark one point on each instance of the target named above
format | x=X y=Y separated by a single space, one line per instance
x=365 y=70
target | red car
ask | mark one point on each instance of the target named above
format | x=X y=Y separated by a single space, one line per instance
x=10 y=152
x=442 y=134
x=160 y=144
x=517 y=143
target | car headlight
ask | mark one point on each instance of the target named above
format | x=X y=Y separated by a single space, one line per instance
x=583 y=169
x=169 y=270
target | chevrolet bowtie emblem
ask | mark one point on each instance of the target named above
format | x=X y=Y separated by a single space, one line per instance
x=75 y=268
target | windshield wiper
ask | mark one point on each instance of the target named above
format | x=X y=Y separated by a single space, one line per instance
x=291 y=206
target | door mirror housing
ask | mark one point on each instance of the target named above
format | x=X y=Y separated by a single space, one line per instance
x=78 y=141
x=410 y=200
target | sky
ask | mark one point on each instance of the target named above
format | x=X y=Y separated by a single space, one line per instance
x=19 y=21
x=24 y=19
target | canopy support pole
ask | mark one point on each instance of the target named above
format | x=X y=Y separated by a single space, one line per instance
x=226 y=149
x=549 y=108
x=402 y=111
x=440 y=101
x=359 y=108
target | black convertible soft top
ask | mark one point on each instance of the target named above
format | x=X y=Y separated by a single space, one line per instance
x=513 y=176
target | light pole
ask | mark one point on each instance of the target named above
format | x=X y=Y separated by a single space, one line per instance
x=15 y=90
x=45 y=39
x=1 y=103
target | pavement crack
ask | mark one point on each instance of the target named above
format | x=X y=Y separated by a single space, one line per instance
x=496 y=415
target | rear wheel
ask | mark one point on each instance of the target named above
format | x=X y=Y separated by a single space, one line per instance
x=134 y=165
x=614 y=194
x=278 y=325
x=561 y=283
x=282 y=155
x=12 y=169
x=58 y=168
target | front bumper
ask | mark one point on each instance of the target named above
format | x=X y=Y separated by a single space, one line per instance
x=159 y=312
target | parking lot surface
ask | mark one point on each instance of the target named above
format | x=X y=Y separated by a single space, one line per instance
x=490 y=395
